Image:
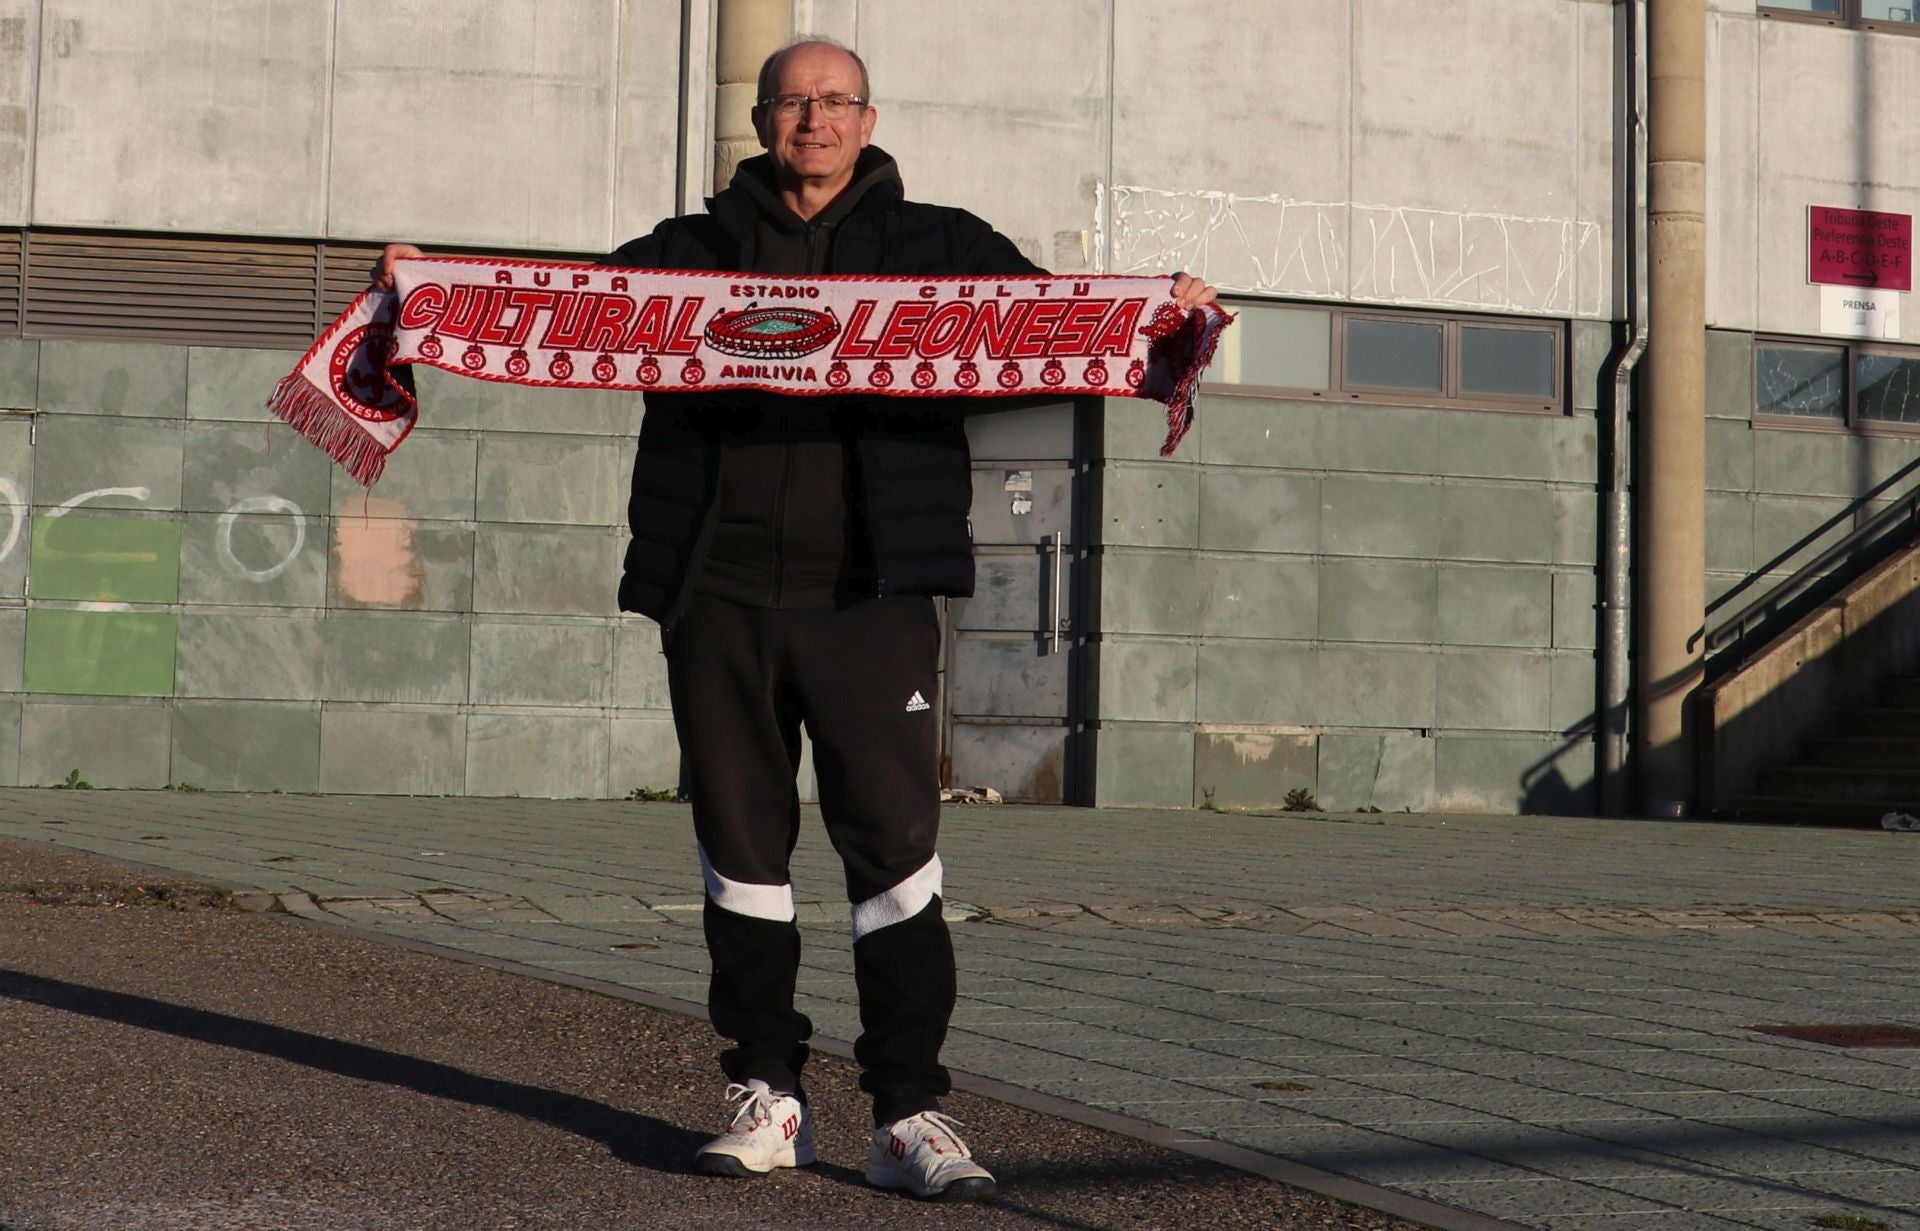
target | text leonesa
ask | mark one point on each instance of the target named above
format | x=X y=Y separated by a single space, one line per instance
x=1005 y=325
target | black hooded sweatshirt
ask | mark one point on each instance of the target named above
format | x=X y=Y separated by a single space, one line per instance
x=782 y=501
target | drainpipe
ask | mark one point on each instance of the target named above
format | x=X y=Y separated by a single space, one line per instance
x=746 y=32
x=1671 y=435
x=1616 y=534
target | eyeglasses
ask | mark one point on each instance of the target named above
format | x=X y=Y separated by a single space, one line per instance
x=833 y=106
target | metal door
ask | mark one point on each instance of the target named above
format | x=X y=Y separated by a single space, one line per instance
x=1013 y=650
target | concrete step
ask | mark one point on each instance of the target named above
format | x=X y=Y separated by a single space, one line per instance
x=1799 y=811
x=1866 y=751
x=1882 y=721
x=1904 y=693
x=1822 y=782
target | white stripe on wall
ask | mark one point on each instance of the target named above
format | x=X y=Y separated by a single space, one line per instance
x=903 y=901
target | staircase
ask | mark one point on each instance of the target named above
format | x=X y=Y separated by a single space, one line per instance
x=1869 y=768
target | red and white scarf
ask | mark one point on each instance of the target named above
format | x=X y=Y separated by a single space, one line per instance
x=597 y=327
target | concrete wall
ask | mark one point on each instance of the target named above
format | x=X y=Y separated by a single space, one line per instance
x=214 y=603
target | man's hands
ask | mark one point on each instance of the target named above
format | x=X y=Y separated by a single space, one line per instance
x=382 y=272
x=1188 y=291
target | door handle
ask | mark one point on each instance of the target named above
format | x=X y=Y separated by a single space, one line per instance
x=1059 y=574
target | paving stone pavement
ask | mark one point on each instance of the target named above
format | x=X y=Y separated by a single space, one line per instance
x=1541 y=1020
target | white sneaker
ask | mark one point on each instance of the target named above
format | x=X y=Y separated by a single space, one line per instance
x=922 y=1154
x=768 y=1130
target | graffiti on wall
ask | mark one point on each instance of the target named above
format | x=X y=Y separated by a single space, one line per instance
x=1274 y=245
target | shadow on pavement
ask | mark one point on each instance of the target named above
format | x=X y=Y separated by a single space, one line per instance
x=640 y=1140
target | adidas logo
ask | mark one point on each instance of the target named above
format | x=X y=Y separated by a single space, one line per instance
x=916 y=703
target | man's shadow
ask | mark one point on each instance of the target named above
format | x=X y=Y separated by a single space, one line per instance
x=640 y=1140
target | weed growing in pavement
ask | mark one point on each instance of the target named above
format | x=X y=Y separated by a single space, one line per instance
x=74 y=782
x=1367 y=808
x=187 y=788
x=1851 y=1222
x=1300 y=799
x=657 y=795
x=1206 y=802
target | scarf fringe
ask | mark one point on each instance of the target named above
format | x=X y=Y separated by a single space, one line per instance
x=320 y=419
x=1204 y=327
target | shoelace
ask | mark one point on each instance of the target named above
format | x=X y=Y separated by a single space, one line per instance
x=947 y=1125
x=754 y=1106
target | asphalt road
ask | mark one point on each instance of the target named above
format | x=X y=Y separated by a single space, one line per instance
x=169 y=1061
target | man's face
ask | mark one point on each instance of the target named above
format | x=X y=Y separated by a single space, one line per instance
x=810 y=147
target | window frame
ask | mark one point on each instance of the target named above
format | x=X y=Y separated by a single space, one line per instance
x=1848 y=18
x=1849 y=423
x=1448 y=397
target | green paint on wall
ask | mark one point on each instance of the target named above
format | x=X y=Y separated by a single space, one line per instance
x=105 y=559
x=101 y=653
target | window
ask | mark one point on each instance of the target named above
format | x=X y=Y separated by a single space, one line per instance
x=1797 y=383
x=1900 y=15
x=1393 y=357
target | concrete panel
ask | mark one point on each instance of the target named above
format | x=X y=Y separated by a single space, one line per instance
x=101 y=558
x=1788 y=533
x=1792 y=463
x=1494 y=606
x=10 y=743
x=1142 y=765
x=16 y=495
x=540 y=756
x=1130 y=429
x=1818 y=152
x=1253 y=596
x=1576 y=528
x=246 y=469
x=1028 y=433
x=246 y=746
x=1595 y=189
x=1486 y=690
x=646 y=100
x=1148 y=592
x=1265 y=135
x=394 y=656
x=158 y=117
x=1733 y=187
x=113 y=378
x=1575 y=614
x=951 y=103
x=1730 y=531
x=511 y=111
x=1378 y=600
x=253 y=560
x=1249 y=431
x=100 y=653
x=1729 y=376
x=644 y=753
x=13 y=649
x=1576 y=692
x=233 y=383
x=384 y=751
x=1506 y=524
x=19 y=358
x=1254 y=510
x=1592 y=382
x=1730 y=455
x=1379 y=517
x=431 y=477
x=1253 y=769
x=639 y=668
x=1390 y=773
x=453 y=402
x=19 y=54
x=1150 y=681
x=1028 y=503
x=1377 y=687
x=1487 y=446
x=1376 y=439
x=106 y=463
x=1510 y=774
x=1262 y=682
x=1473 y=194
x=278 y=657
x=553 y=479
x=1149 y=505
x=1006 y=677
x=396 y=563
x=112 y=744
x=526 y=663
x=554 y=570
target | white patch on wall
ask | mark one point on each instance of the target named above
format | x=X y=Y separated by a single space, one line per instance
x=1274 y=245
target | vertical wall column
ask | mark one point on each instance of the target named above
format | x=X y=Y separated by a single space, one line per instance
x=746 y=33
x=1671 y=519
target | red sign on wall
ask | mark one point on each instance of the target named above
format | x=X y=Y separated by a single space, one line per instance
x=1859 y=247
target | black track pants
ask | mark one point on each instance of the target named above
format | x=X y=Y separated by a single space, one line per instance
x=861 y=680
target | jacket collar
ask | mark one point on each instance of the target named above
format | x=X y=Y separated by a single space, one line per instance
x=876 y=185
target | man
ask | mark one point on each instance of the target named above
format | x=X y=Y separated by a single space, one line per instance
x=791 y=549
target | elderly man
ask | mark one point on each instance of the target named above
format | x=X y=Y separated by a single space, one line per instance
x=791 y=550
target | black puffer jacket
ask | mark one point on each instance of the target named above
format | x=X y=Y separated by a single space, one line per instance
x=910 y=454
